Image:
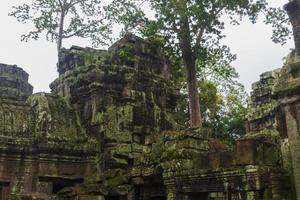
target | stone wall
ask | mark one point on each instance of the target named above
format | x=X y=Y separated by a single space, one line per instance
x=16 y=120
x=287 y=90
x=43 y=146
x=261 y=105
x=273 y=114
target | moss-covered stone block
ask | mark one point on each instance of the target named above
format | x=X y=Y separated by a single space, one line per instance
x=116 y=181
x=91 y=197
x=256 y=152
x=188 y=143
x=178 y=165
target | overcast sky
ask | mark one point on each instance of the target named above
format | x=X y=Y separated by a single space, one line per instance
x=252 y=44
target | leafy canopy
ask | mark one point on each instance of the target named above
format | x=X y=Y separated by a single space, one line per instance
x=62 y=19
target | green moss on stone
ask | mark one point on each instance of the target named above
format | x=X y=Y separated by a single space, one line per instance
x=265 y=134
x=116 y=181
x=262 y=110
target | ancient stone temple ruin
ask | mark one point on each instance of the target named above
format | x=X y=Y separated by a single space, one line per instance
x=108 y=131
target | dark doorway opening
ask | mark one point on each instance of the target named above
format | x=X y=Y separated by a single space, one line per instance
x=60 y=183
x=158 y=198
x=57 y=187
x=115 y=197
x=112 y=198
x=198 y=196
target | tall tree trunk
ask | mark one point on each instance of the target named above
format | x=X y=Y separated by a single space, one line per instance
x=60 y=33
x=192 y=83
x=189 y=59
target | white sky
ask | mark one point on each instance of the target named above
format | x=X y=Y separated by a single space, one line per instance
x=252 y=44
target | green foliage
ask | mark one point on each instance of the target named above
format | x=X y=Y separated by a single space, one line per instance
x=191 y=30
x=279 y=21
x=15 y=192
x=223 y=112
x=126 y=13
x=62 y=19
x=200 y=22
x=228 y=125
x=205 y=19
x=211 y=101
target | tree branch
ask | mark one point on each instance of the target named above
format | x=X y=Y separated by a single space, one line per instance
x=199 y=37
x=213 y=12
x=76 y=33
x=61 y=4
x=73 y=3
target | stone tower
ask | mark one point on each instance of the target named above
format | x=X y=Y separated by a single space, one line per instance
x=14 y=83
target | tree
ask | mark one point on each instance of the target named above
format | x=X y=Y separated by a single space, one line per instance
x=194 y=27
x=62 y=19
x=223 y=112
x=222 y=97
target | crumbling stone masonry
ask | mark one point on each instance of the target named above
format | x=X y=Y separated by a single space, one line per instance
x=43 y=147
x=107 y=131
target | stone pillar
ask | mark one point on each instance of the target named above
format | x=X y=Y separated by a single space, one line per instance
x=293 y=10
x=294 y=139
